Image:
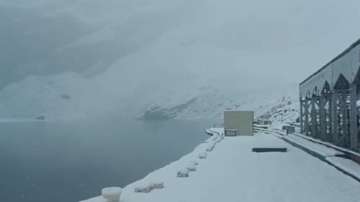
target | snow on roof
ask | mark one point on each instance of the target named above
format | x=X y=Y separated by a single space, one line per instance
x=345 y=64
x=355 y=44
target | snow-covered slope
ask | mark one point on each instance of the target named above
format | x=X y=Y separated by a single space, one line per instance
x=159 y=59
x=211 y=103
x=70 y=96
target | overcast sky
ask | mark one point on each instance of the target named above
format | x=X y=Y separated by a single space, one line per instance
x=279 y=41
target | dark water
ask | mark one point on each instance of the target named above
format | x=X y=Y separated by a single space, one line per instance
x=63 y=162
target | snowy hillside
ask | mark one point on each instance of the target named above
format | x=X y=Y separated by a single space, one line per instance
x=152 y=60
x=70 y=96
x=211 y=104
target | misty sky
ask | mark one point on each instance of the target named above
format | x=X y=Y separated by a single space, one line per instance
x=266 y=40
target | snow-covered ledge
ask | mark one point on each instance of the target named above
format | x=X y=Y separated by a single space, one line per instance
x=164 y=177
x=231 y=171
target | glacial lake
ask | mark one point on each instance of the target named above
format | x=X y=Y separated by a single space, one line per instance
x=68 y=162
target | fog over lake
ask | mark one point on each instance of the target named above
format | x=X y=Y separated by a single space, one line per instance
x=97 y=93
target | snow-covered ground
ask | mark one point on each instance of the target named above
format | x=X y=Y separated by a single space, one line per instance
x=329 y=153
x=320 y=149
x=232 y=172
x=346 y=165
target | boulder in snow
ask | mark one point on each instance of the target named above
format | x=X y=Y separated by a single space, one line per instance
x=183 y=173
x=149 y=188
x=111 y=194
x=203 y=155
x=191 y=167
x=195 y=163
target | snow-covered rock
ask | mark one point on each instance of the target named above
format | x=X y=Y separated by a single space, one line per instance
x=150 y=187
x=111 y=194
x=211 y=147
x=191 y=167
x=183 y=173
x=203 y=155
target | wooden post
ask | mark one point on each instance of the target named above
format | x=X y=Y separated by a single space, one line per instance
x=344 y=130
x=334 y=117
x=318 y=118
x=323 y=124
x=353 y=118
x=328 y=113
x=302 y=115
x=306 y=114
x=313 y=117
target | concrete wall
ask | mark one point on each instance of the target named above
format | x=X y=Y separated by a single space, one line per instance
x=242 y=121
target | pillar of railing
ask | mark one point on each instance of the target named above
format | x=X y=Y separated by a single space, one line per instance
x=323 y=117
x=307 y=115
x=302 y=114
x=334 y=117
x=354 y=128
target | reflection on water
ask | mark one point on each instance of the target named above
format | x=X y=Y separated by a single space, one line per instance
x=61 y=162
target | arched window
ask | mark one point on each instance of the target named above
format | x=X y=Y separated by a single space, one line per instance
x=342 y=83
x=326 y=88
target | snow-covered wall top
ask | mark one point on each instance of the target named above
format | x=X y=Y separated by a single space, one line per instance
x=346 y=64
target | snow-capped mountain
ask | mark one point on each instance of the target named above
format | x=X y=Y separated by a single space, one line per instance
x=70 y=96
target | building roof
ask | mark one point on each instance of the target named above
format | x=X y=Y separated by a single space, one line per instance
x=333 y=60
